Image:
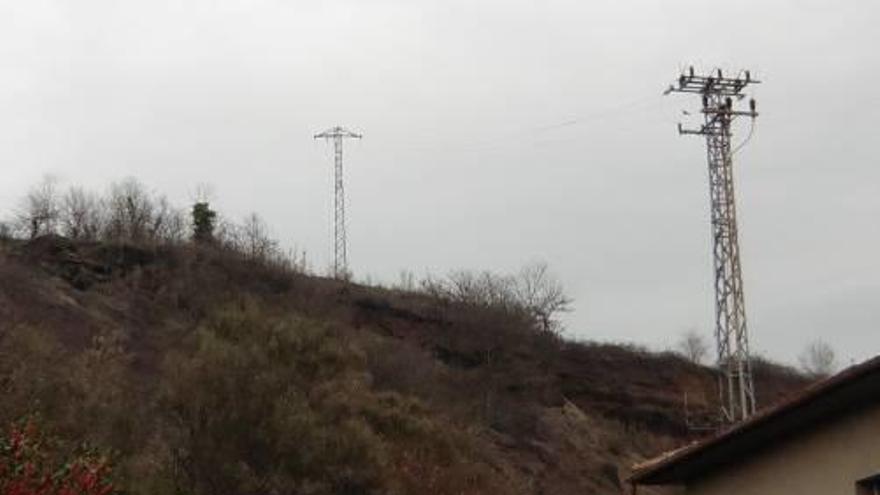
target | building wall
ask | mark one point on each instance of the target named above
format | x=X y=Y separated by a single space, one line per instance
x=827 y=460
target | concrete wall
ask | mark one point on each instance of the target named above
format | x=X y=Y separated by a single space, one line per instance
x=827 y=460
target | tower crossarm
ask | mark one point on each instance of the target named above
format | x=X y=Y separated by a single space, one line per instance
x=338 y=132
x=715 y=83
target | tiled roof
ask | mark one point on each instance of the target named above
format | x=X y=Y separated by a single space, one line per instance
x=852 y=387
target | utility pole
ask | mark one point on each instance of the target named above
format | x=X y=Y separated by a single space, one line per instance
x=720 y=95
x=340 y=242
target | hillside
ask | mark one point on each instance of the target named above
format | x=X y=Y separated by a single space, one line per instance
x=204 y=371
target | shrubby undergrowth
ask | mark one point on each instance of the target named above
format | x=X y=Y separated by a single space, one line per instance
x=251 y=402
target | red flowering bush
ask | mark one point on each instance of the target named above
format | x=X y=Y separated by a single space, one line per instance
x=27 y=468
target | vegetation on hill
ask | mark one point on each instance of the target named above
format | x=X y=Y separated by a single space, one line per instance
x=209 y=361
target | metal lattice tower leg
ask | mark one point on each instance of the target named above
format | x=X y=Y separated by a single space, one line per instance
x=340 y=240
x=719 y=94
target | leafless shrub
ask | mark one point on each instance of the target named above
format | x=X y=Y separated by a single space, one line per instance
x=40 y=209
x=818 y=359
x=532 y=291
x=693 y=346
x=252 y=240
x=473 y=288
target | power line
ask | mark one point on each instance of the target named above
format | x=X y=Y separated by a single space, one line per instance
x=719 y=97
x=340 y=240
x=530 y=134
x=748 y=138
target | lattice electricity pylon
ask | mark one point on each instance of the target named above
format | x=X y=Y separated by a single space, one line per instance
x=340 y=242
x=719 y=97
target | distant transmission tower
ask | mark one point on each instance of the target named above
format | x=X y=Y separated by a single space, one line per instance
x=340 y=246
x=719 y=96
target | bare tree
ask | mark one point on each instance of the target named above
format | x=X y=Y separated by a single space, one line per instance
x=131 y=211
x=82 y=215
x=542 y=295
x=257 y=242
x=818 y=359
x=168 y=224
x=693 y=346
x=228 y=235
x=407 y=281
x=38 y=214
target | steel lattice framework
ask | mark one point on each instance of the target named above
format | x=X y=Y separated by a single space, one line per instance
x=340 y=241
x=719 y=98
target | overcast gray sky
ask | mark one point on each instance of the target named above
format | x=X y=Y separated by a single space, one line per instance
x=496 y=133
